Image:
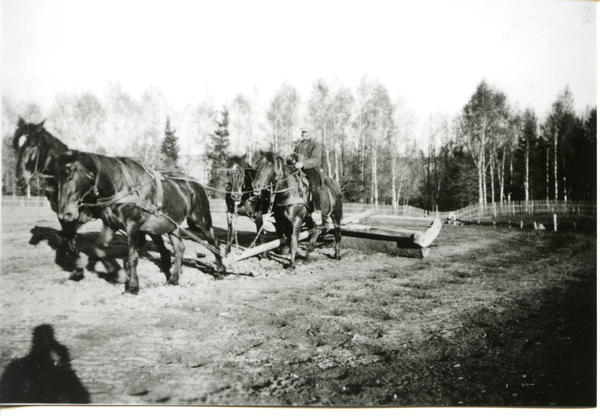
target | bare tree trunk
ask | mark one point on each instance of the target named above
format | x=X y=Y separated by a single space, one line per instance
x=362 y=164
x=527 y=171
x=547 y=173
x=394 y=201
x=492 y=166
x=480 y=179
x=556 y=165
x=564 y=178
x=484 y=177
x=501 y=169
x=374 y=187
x=327 y=157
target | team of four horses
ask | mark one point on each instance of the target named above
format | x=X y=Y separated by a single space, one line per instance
x=126 y=195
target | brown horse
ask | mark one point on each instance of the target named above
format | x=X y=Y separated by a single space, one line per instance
x=293 y=204
x=37 y=152
x=240 y=199
x=129 y=196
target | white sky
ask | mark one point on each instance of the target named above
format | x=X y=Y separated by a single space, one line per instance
x=432 y=53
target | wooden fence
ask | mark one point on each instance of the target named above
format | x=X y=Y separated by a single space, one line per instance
x=23 y=201
x=471 y=212
x=401 y=211
x=512 y=208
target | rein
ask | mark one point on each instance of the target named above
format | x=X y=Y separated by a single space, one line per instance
x=36 y=171
x=155 y=210
x=131 y=189
x=277 y=180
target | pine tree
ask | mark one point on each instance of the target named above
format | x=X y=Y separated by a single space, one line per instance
x=169 y=148
x=217 y=152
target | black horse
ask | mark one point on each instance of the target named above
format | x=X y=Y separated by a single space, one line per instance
x=293 y=203
x=240 y=198
x=129 y=196
x=37 y=152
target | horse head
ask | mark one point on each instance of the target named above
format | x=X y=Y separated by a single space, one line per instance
x=36 y=151
x=76 y=177
x=237 y=178
x=25 y=141
x=269 y=169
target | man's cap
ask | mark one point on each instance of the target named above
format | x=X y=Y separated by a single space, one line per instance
x=307 y=128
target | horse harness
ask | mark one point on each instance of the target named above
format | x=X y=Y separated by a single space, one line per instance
x=35 y=149
x=298 y=200
x=127 y=196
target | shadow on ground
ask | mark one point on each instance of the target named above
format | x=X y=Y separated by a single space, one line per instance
x=44 y=375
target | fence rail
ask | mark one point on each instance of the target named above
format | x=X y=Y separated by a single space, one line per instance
x=513 y=208
x=401 y=211
x=23 y=201
x=471 y=212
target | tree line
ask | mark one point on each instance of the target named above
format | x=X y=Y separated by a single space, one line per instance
x=374 y=145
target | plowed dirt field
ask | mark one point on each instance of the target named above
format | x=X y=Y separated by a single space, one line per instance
x=493 y=317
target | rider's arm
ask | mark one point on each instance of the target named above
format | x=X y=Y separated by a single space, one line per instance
x=313 y=161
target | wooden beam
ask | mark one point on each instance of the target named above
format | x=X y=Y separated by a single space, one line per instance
x=271 y=245
x=405 y=238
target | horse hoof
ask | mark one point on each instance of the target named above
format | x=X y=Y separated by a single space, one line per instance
x=77 y=275
x=132 y=290
x=173 y=282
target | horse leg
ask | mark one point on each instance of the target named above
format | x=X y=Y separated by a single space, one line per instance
x=293 y=239
x=338 y=240
x=178 y=249
x=110 y=264
x=209 y=235
x=283 y=231
x=69 y=231
x=229 y=232
x=133 y=232
x=314 y=234
x=165 y=256
x=336 y=217
x=260 y=237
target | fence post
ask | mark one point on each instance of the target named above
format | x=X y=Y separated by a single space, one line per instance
x=555 y=222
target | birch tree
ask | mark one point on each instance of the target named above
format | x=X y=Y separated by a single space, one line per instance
x=329 y=110
x=123 y=113
x=154 y=110
x=244 y=125
x=78 y=120
x=480 y=120
x=377 y=116
x=282 y=117
x=556 y=129
x=529 y=133
x=402 y=136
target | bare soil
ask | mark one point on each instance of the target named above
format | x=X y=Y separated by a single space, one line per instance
x=495 y=316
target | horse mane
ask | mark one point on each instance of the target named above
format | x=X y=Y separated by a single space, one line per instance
x=277 y=160
x=237 y=160
x=272 y=156
x=40 y=136
x=86 y=160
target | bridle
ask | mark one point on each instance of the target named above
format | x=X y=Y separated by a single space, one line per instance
x=277 y=179
x=36 y=171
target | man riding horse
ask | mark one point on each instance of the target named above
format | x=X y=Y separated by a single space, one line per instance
x=307 y=156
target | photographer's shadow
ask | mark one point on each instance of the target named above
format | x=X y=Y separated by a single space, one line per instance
x=44 y=375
